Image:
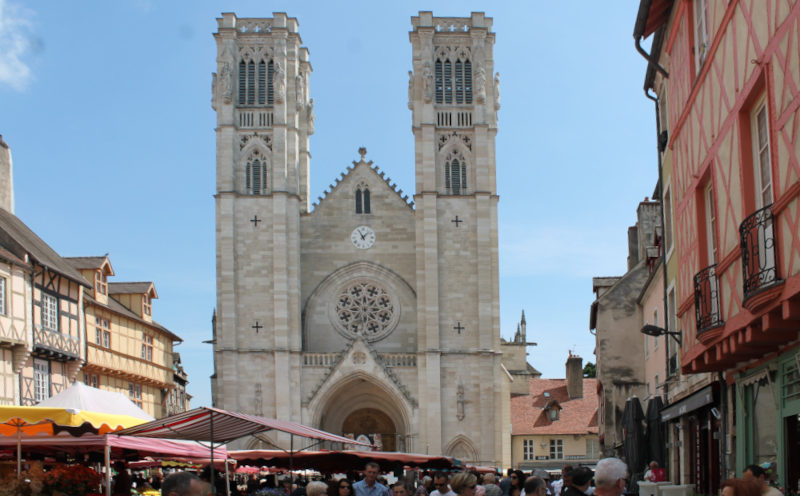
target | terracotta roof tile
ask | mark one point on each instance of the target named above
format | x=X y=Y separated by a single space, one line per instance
x=577 y=416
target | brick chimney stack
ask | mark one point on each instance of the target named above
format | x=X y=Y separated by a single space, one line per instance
x=6 y=177
x=574 y=376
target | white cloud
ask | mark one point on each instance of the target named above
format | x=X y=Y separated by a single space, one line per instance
x=568 y=250
x=15 y=43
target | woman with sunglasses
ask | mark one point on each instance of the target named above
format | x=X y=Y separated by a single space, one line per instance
x=463 y=484
x=342 y=487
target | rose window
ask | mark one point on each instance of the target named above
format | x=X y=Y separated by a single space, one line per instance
x=365 y=309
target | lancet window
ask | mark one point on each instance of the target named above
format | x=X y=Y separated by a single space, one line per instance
x=362 y=199
x=455 y=174
x=453 y=79
x=256 y=82
x=256 y=174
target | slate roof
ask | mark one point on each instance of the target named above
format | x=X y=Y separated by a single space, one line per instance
x=129 y=287
x=86 y=262
x=577 y=416
x=117 y=307
x=18 y=238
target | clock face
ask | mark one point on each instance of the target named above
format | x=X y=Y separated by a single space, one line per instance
x=363 y=237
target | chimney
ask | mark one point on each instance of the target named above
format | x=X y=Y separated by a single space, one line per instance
x=6 y=178
x=574 y=376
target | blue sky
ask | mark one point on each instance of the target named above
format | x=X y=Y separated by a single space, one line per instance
x=106 y=106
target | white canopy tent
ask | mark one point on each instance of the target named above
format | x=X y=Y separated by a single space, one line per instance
x=82 y=397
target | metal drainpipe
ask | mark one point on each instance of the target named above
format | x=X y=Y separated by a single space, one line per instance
x=723 y=425
x=663 y=247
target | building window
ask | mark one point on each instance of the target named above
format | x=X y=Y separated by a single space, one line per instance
x=100 y=284
x=147 y=347
x=556 y=449
x=593 y=447
x=146 y=309
x=711 y=224
x=668 y=220
x=3 y=296
x=256 y=82
x=91 y=380
x=761 y=159
x=455 y=174
x=49 y=312
x=363 y=201
x=527 y=449
x=102 y=332
x=453 y=80
x=135 y=393
x=701 y=41
x=256 y=175
x=41 y=379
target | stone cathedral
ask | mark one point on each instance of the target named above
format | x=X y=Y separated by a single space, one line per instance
x=369 y=314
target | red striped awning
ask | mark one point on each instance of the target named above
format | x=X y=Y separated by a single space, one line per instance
x=221 y=426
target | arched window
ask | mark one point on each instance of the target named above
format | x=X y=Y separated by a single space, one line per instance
x=256 y=176
x=362 y=199
x=455 y=175
x=453 y=83
x=255 y=82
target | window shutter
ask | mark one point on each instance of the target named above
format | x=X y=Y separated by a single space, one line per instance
x=448 y=82
x=358 y=201
x=463 y=177
x=459 y=82
x=247 y=175
x=366 y=201
x=251 y=83
x=455 y=169
x=439 y=82
x=262 y=83
x=447 y=177
x=242 y=82
x=468 y=82
x=270 y=83
x=256 y=177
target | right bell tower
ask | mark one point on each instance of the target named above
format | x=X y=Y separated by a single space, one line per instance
x=454 y=98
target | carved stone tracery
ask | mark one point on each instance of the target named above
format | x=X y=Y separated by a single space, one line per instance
x=363 y=308
x=454 y=137
x=265 y=139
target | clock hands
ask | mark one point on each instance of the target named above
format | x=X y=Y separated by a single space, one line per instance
x=363 y=236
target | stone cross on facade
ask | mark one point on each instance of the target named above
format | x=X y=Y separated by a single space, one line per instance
x=457 y=221
x=255 y=220
x=257 y=327
x=458 y=327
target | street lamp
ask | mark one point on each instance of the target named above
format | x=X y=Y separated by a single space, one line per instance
x=655 y=331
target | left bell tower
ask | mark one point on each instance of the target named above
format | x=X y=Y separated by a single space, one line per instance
x=260 y=93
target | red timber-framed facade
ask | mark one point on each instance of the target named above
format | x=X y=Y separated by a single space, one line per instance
x=731 y=109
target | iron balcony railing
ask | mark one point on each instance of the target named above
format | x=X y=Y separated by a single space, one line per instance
x=757 y=239
x=706 y=299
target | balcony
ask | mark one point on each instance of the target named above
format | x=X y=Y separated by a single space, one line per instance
x=129 y=368
x=56 y=343
x=757 y=240
x=254 y=118
x=706 y=300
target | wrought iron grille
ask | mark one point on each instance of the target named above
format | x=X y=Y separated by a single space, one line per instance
x=706 y=299
x=757 y=239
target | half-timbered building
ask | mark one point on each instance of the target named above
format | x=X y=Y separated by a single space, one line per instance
x=726 y=79
x=126 y=350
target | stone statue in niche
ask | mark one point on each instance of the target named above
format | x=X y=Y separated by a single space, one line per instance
x=213 y=90
x=497 y=91
x=280 y=83
x=226 y=80
x=480 y=84
x=310 y=116
x=427 y=74
x=460 y=403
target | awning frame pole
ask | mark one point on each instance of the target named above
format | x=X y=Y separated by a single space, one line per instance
x=107 y=452
x=213 y=480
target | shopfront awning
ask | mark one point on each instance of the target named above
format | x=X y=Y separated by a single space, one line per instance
x=705 y=396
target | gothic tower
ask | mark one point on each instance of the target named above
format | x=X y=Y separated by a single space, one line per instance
x=454 y=98
x=264 y=119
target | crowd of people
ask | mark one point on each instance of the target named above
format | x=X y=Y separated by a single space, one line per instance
x=610 y=478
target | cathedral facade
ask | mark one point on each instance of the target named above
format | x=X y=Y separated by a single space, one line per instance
x=369 y=313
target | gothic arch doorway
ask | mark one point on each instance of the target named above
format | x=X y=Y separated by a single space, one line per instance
x=369 y=422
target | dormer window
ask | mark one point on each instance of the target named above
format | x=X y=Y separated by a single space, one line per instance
x=100 y=282
x=146 y=309
x=552 y=409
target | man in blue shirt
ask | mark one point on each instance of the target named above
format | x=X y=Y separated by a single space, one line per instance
x=369 y=485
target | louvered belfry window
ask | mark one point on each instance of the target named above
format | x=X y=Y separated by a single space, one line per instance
x=453 y=81
x=256 y=180
x=255 y=83
x=455 y=176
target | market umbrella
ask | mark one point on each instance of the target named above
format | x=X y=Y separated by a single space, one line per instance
x=341 y=461
x=83 y=397
x=44 y=421
x=217 y=426
x=655 y=430
x=634 y=445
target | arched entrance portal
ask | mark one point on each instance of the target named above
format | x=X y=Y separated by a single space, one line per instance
x=369 y=422
x=361 y=403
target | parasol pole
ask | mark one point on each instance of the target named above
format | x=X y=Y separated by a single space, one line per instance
x=107 y=449
x=291 y=461
x=19 y=450
x=227 y=481
x=213 y=481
